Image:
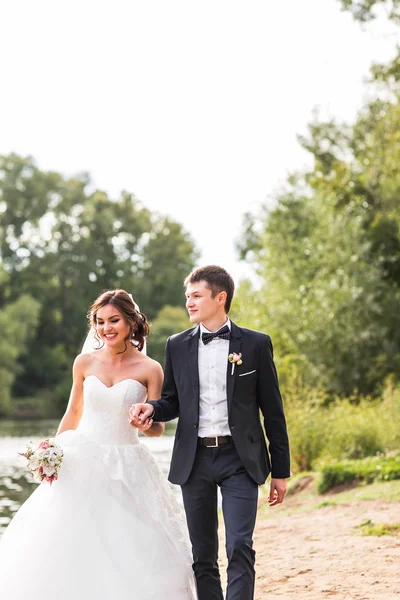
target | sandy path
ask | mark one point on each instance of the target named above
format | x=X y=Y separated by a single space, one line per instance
x=320 y=554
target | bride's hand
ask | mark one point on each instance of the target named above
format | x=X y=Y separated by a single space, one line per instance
x=143 y=427
x=139 y=416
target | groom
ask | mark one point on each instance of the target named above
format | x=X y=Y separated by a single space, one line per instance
x=218 y=377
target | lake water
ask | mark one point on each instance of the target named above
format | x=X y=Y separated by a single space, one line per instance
x=16 y=484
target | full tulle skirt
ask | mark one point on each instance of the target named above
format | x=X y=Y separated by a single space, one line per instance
x=108 y=529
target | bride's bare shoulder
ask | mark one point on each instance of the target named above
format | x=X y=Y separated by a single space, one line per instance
x=151 y=365
x=84 y=361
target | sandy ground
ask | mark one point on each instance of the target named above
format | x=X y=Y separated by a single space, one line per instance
x=321 y=553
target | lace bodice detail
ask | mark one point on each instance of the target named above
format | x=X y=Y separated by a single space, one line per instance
x=106 y=410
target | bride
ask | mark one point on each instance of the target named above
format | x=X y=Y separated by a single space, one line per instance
x=109 y=527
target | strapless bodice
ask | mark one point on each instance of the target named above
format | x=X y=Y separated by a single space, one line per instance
x=106 y=410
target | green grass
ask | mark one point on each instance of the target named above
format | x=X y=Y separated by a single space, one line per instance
x=326 y=503
x=310 y=500
x=367 y=470
x=386 y=490
x=369 y=528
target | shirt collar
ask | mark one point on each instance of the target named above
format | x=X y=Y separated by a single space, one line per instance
x=204 y=329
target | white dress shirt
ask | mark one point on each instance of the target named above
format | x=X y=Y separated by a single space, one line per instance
x=213 y=365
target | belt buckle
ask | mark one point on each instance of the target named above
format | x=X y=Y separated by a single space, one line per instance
x=216 y=445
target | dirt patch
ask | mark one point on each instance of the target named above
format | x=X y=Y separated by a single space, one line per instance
x=321 y=553
x=305 y=483
x=342 y=487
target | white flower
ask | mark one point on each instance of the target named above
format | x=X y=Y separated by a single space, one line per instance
x=49 y=470
x=33 y=463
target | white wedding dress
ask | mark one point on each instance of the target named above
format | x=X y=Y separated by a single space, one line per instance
x=109 y=527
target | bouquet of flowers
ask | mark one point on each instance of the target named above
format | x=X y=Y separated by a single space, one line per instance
x=44 y=461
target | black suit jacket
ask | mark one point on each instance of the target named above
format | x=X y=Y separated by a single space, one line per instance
x=253 y=386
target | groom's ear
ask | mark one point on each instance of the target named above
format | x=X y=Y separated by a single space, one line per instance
x=222 y=298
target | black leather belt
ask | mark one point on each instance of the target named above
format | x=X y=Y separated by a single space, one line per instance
x=214 y=442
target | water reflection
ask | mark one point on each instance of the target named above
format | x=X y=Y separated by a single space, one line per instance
x=26 y=429
x=16 y=483
x=16 y=486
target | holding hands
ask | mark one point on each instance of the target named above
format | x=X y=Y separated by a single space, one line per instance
x=139 y=416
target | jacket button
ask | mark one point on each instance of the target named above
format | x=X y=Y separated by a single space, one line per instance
x=196 y=425
x=233 y=427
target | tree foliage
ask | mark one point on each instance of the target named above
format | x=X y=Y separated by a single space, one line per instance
x=170 y=320
x=328 y=256
x=366 y=10
x=18 y=322
x=63 y=242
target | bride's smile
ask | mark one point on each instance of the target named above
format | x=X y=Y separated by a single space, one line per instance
x=111 y=327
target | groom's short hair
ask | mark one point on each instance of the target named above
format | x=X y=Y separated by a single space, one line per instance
x=217 y=279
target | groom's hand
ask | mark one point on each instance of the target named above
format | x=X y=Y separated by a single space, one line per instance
x=139 y=415
x=277 y=491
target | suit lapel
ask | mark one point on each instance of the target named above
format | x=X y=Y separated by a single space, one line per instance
x=193 y=353
x=235 y=345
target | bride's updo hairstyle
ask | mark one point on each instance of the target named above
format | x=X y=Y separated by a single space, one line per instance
x=138 y=326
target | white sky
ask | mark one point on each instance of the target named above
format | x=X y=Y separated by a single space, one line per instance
x=194 y=106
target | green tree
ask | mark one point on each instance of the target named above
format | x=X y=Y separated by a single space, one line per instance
x=170 y=320
x=328 y=255
x=169 y=258
x=323 y=298
x=18 y=321
x=63 y=243
x=366 y=10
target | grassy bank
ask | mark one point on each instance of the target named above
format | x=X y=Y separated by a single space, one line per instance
x=374 y=468
x=303 y=496
x=347 y=429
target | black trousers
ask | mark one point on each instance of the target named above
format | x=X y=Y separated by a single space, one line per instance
x=221 y=467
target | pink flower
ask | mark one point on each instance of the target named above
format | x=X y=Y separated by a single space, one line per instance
x=44 y=445
x=235 y=358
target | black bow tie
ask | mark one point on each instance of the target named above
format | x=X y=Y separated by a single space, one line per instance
x=224 y=333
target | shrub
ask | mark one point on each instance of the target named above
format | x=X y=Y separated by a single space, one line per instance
x=355 y=431
x=345 y=429
x=375 y=468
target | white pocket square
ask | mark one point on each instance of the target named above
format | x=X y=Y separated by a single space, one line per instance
x=248 y=373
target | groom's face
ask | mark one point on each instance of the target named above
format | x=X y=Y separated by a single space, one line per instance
x=201 y=306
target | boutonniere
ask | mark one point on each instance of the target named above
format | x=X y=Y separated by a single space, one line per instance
x=235 y=359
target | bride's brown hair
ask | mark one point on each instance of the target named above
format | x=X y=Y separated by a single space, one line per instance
x=138 y=326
